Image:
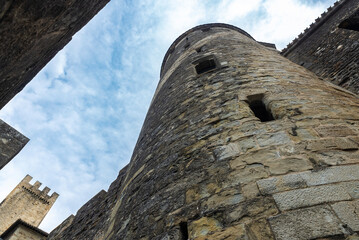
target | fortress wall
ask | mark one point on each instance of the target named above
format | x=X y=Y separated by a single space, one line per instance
x=32 y=32
x=212 y=163
x=92 y=219
x=329 y=51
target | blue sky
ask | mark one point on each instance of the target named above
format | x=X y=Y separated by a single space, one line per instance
x=84 y=110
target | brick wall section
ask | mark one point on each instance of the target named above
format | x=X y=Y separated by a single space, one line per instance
x=11 y=142
x=330 y=52
x=26 y=202
x=32 y=32
x=205 y=167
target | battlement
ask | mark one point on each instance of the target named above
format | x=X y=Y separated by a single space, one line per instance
x=26 y=202
x=34 y=190
x=315 y=25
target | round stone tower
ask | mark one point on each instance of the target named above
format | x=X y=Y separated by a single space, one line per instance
x=241 y=143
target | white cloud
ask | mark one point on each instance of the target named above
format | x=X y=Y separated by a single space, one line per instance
x=284 y=20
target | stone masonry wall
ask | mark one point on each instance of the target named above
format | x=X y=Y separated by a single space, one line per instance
x=206 y=167
x=11 y=142
x=32 y=32
x=26 y=202
x=92 y=219
x=329 y=51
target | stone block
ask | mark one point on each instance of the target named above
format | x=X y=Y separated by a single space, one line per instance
x=352 y=188
x=237 y=232
x=260 y=230
x=203 y=226
x=334 y=131
x=278 y=138
x=248 y=174
x=306 y=134
x=332 y=175
x=345 y=144
x=321 y=144
x=348 y=212
x=254 y=157
x=281 y=183
x=310 y=196
x=222 y=199
x=290 y=164
x=263 y=206
x=307 y=223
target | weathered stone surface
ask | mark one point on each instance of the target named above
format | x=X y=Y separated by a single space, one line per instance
x=32 y=32
x=281 y=183
x=332 y=175
x=203 y=226
x=307 y=223
x=253 y=208
x=335 y=131
x=11 y=142
x=352 y=188
x=348 y=212
x=310 y=196
x=348 y=174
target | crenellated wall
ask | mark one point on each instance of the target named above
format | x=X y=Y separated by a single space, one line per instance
x=328 y=50
x=26 y=202
x=92 y=219
x=238 y=143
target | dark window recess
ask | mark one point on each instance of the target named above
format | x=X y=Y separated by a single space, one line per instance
x=201 y=49
x=184 y=230
x=187 y=45
x=351 y=23
x=259 y=109
x=205 y=66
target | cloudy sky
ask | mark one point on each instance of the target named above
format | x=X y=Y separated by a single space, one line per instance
x=84 y=110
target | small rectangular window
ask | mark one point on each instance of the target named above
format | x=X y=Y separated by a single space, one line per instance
x=351 y=23
x=205 y=66
x=184 y=230
x=259 y=109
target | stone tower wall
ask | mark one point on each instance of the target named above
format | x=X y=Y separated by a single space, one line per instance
x=328 y=50
x=210 y=163
x=11 y=142
x=32 y=32
x=26 y=202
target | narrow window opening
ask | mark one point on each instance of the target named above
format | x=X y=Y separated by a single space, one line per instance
x=184 y=230
x=205 y=66
x=351 y=23
x=259 y=109
x=201 y=49
x=187 y=45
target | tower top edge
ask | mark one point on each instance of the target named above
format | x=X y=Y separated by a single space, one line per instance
x=200 y=27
